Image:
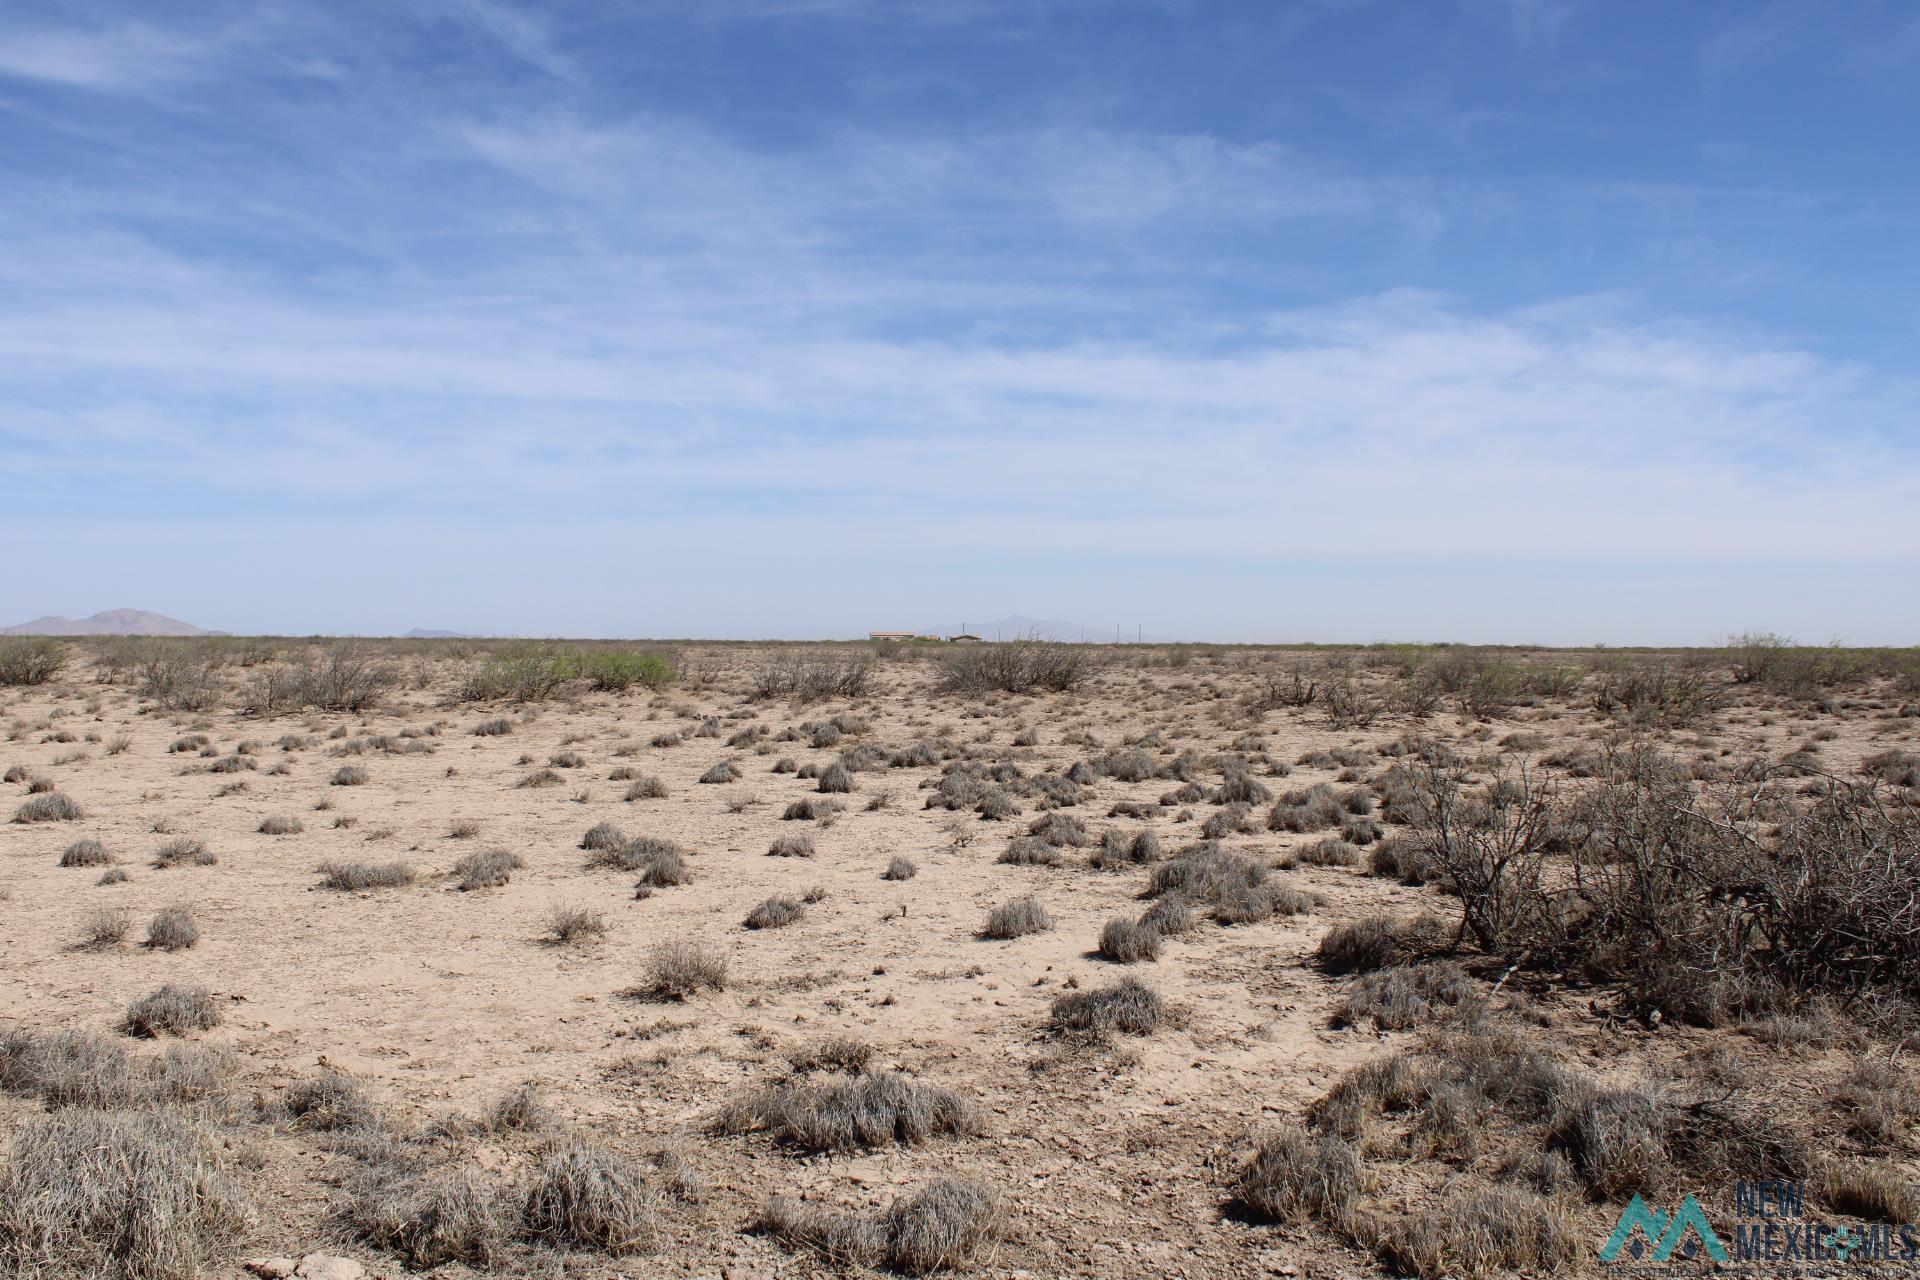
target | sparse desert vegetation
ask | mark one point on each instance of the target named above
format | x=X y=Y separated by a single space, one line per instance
x=977 y=971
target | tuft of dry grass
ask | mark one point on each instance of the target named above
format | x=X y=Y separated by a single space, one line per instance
x=1297 y=1177
x=86 y=853
x=105 y=927
x=137 y=1195
x=573 y=925
x=48 y=806
x=171 y=1010
x=1129 y=1006
x=281 y=825
x=487 y=869
x=774 y=913
x=1017 y=919
x=682 y=969
x=173 y=929
x=584 y=1196
x=866 y=1111
x=356 y=877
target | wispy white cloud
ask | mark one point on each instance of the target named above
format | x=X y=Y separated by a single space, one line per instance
x=118 y=57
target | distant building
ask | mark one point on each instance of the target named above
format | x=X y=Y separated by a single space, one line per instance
x=889 y=635
x=963 y=638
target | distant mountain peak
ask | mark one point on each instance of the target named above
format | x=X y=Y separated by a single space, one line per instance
x=112 y=622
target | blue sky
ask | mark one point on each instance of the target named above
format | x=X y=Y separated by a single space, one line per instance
x=1530 y=320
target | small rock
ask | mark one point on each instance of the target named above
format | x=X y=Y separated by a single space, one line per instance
x=320 y=1266
x=271 y=1268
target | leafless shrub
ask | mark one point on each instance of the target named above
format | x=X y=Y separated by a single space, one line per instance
x=1025 y=664
x=1128 y=942
x=900 y=867
x=1379 y=942
x=793 y=846
x=86 y=853
x=184 y=851
x=1481 y=1231
x=585 y=1196
x=30 y=660
x=774 y=913
x=648 y=788
x=944 y=1226
x=573 y=925
x=281 y=825
x=351 y=775
x=105 y=927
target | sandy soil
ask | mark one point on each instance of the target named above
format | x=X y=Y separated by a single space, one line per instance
x=1114 y=1161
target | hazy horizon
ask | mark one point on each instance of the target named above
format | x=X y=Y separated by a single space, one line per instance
x=1488 y=320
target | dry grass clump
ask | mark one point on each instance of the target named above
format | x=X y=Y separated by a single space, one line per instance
x=836 y=1053
x=1328 y=851
x=870 y=1110
x=1877 y=1190
x=836 y=779
x=281 y=825
x=48 y=806
x=723 y=772
x=1129 y=941
x=1296 y=1177
x=171 y=1010
x=682 y=969
x=488 y=869
x=1377 y=942
x=350 y=775
x=86 y=853
x=328 y=1103
x=1017 y=919
x=540 y=778
x=1237 y=889
x=497 y=727
x=1407 y=996
x=572 y=925
x=184 y=851
x=946 y=1225
x=1880 y=1102
x=172 y=929
x=356 y=877
x=774 y=913
x=113 y=875
x=445 y=1216
x=105 y=927
x=138 y=1195
x=791 y=846
x=1031 y=851
x=1481 y=1231
x=647 y=788
x=603 y=835
x=900 y=867
x=1129 y=1006
x=584 y=1196
x=82 y=1069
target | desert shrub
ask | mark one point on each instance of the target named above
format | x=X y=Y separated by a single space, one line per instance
x=1406 y=996
x=1025 y=664
x=1879 y=1102
x=86 y=853
x=682 y=969
x=1118 y=851
x=1313 y=809
x=793 y=846
x=648 y=788
x=1031 y=851
x=603 y=835
x=113 y=875
x=1661 y=696
x=1128 y=1006
x=813 y=676
x=49 y=806
x=572 y=925
x=351 y=775
x=1017 y=919
x=943 y=1226
x=1481 y=1231
x=523 y=673
x=566 y=760
x=431 y=1219
x=540 y=778
x=836 y=778
x=1876 y=1190
x=342 y=677
x=487 y=869
x=355 y=877
x=1241 y=787
x=1059 y=829
x=184 y=851
x=1329 y=851
x=281 y=825
x=1377 y=942
x=105 y=926
x=585 y=1196
x=1127 y=941
x=900 y=867
x=836 y=1053
x=82 y=1069
x=1168 y=916
x=1895 y=768
x=724 y=771
x=519 y=1110
x=616 y=670
x=30 y=660
x=807 y=809
x=1296 y=1177
x=328 y=1103
x=1230 y=820
x=496 y=727
x=172 y=929
x=870 y=1110
x=774 y=913
x=180 y=677
x=171 y=1010
x=138 y=1195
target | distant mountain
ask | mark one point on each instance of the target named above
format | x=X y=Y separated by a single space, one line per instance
x=425 y=633
x=1018 y=624
x=114 y=622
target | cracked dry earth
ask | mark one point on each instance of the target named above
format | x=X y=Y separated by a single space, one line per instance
x=1113 y=1160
